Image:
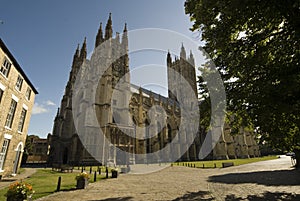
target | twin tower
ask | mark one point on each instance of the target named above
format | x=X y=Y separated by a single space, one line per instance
x=68 y=148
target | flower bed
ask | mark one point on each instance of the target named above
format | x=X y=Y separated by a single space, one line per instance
x=82 y=180
x=19 y=191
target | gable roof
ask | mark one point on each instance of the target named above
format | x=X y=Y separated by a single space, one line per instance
x=17 y=66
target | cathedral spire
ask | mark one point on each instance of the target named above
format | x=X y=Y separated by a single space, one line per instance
x=99 y=37
x=125 y=28
x=77 y=52
x=83 y=51
x=76 y=55
x=191 y=59
x=125 y=38
x=124 y=45
x=108 y=28
x=182 y=52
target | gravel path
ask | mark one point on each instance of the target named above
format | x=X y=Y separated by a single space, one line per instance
x=266 y=180
x=6 y=181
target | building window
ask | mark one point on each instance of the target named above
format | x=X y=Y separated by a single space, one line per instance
x=5 y=67
x=1 y=94
x=28 y=93
x=22 y=120
x=3 y=152
x=19 y=83
x=11 y=113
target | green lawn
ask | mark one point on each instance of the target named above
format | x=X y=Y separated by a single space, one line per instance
x=218 y=163
x=44 y=182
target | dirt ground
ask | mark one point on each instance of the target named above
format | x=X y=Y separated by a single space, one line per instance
x=266 y=180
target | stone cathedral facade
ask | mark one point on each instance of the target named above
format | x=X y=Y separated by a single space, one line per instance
x=120 y=148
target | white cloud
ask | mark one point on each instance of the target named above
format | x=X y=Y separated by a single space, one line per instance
x=50 y=103
x=39 y=109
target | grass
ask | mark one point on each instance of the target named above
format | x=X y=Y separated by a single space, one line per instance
x=44 y=182
x=21 y=170
x=218 y=163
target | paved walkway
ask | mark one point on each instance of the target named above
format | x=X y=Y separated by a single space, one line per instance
x=266 y=180
x=6 y=181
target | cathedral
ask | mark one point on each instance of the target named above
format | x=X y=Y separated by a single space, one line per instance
x=137 y=125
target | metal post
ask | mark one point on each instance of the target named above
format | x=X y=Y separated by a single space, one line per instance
x=95 y=176
x=106 y=172
x=58 y=184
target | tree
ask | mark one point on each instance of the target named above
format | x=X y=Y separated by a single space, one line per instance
x=28 y=149
x=255 y=45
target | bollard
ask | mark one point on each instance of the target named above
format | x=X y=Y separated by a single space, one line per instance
x=99 y=169
x=194 y=165
x=90 y=169
x=95 y=176
x=215 y=165
x=106 y=172
x=58 y=184
x=82 y=169
x=203 y=165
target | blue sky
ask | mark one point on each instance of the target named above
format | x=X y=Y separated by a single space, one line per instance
x=43 y=35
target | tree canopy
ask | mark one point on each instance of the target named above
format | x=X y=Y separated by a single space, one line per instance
x=255 y=45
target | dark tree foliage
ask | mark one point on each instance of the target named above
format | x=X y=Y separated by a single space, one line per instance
x=255 y=45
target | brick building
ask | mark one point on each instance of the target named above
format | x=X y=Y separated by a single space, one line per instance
x=17 y=95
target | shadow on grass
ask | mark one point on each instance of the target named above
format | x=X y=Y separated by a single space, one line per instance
x=115 y=199
x=201 y=195
x=280 y=196
x=267 y=178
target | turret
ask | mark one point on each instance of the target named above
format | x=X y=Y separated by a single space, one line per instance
x=108 y=28
x=169 y=59
x=182 y=52
x=57 y=113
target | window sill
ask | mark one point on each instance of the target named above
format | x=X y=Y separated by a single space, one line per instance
x=7 y=128
x=19 y=91
x=3 y=76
